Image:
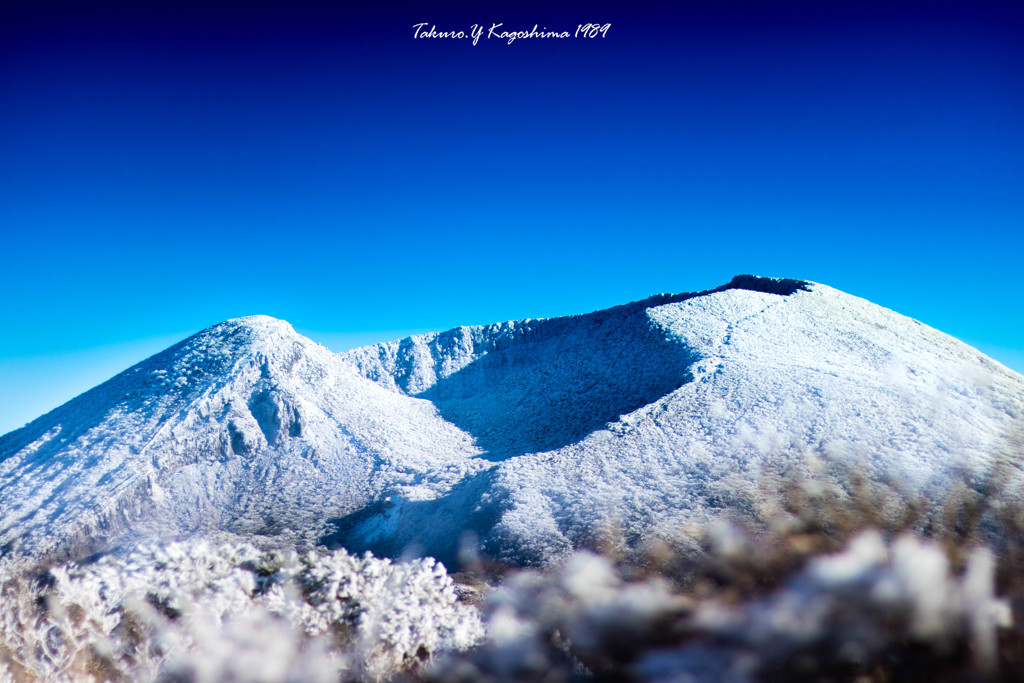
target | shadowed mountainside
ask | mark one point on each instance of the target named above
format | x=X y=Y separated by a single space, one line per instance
x=538 y=385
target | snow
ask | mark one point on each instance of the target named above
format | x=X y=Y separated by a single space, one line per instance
x=759 y=381
x=203 y=612
x=269 y=435
x=529 y=438
x=849 y=608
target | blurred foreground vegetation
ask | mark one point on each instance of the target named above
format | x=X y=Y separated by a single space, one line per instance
x=816 y=582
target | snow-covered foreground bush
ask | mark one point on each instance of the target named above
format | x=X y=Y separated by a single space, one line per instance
x=230 y=613
x=877 y=610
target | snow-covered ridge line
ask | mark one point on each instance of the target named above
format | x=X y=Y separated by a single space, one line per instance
x=413 y=364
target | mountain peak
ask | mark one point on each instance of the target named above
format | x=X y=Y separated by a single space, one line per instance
x=257 y=321
x=247 y=329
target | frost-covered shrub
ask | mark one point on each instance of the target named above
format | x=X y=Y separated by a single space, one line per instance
x=397 y=612
x=895 y=606
x=201 y=612
x=581 y=617
x=883 y=608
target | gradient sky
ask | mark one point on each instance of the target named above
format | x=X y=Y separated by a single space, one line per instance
x=165 y=166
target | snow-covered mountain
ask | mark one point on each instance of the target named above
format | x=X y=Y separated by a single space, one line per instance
x=527 y=437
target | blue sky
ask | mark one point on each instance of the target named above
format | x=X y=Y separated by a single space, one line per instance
x=168 y=166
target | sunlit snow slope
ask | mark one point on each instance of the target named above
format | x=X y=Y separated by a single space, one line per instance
x=527 y=438
x=246 y=427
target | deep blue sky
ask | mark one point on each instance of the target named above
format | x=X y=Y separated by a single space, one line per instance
x=166 y=165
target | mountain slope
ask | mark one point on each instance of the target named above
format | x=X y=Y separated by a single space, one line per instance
x=527 y=438
x=758 y=378
x=246 y=427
